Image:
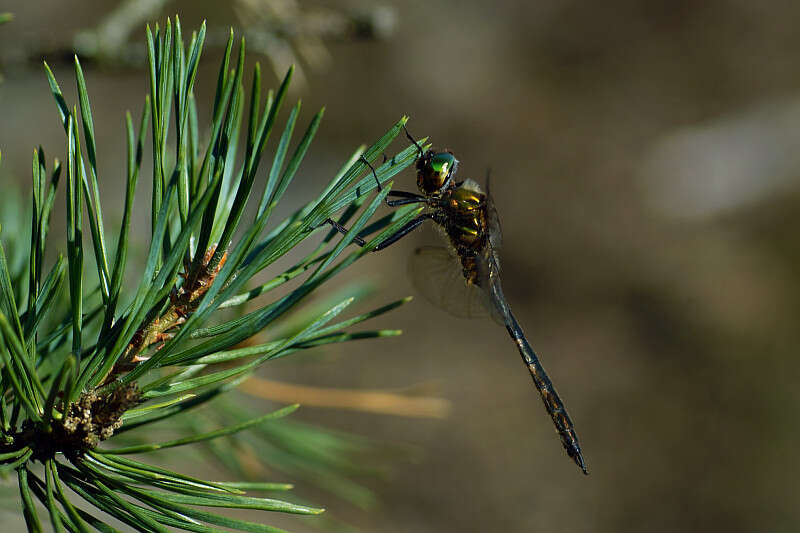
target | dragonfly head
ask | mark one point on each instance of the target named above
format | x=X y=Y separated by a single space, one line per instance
x=435 y=171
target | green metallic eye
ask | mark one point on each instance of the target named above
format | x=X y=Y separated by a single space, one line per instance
x=442 y=163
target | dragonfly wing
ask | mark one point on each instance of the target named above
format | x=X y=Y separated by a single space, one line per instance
x=493 y=222
x=491 y=291
x=436 y=273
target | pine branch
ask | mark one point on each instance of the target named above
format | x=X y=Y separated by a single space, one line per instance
x=83 y=374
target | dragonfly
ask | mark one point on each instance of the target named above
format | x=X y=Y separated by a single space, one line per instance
x=464 y=278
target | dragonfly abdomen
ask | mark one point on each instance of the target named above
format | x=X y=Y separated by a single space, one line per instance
x=552 y=403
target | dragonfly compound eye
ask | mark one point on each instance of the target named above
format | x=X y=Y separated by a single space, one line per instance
x=434 y=170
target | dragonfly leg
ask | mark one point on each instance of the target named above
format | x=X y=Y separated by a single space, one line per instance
x=405 y=198
x=405 y=195
x=341 y=229
x=407 y=228
x=410 y=138
x=374 y=174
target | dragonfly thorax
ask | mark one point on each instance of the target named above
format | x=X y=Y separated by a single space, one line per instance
x=464 y=216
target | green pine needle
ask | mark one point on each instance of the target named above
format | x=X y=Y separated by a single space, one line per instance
x=90 y=364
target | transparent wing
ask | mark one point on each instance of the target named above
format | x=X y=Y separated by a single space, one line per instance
x=490 y=289
x=489 y=263
x=436 y=273
x=494 y=229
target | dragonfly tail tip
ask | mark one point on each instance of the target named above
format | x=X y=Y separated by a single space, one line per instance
x=578 y=458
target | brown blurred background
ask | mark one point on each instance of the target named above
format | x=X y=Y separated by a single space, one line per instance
x=646 y=168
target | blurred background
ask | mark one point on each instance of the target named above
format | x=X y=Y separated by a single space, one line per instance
x=645 y=167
